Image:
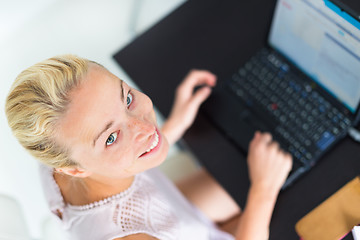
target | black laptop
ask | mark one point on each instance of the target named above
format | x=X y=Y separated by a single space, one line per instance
x=303 y=88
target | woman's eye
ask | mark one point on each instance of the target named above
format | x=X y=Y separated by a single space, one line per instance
x=129 y=99
x=111 y=139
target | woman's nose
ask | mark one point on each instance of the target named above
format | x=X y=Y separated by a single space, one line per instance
x=142 y=129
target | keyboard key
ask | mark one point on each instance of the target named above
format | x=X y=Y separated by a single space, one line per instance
x=247 y=86
x=326 y=139
x=242 y=72
x=283 y=119
x=248 y=66
x=307 y=143
x=304 y=94
x=305 y=126
x=289 y=90
x=240 y=93
x=322 y=108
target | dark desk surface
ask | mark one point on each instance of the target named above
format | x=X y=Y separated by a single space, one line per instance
x=219 y=36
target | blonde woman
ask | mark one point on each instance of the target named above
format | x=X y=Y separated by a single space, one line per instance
x=99 y=145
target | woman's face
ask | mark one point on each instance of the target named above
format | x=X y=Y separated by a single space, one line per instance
x=110 y=128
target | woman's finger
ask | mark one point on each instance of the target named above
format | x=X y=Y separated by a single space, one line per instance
x=266 y=138
x=198 y=77
x=200 y=96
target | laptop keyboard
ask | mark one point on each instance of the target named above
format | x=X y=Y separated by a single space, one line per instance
x=303 y=122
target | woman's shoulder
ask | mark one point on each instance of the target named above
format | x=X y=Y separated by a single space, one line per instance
x=139 y=209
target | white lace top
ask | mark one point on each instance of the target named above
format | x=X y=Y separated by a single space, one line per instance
x=151 y=205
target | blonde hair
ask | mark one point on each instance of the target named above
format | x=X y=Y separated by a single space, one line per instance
x=38 y=99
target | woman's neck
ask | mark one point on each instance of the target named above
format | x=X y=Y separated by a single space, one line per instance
x=82 y=191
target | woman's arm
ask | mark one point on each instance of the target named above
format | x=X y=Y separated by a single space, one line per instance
x=187 y=103
x=268 y=164
x=268 y=168
x=255 y=219
x=139 y=236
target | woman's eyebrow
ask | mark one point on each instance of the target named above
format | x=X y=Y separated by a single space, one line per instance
x=108 y=125
x=104 y=130
x=122 y=90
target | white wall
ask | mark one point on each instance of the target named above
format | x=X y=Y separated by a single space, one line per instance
x=31 y=31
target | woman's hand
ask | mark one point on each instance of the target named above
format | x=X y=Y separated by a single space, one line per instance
x=269 y=166
x=187 y=103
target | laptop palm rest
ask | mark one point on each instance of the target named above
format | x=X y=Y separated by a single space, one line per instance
x=233 y=117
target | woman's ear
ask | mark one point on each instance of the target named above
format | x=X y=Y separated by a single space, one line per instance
x=74 y=171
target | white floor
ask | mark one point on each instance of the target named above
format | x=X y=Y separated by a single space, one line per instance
x=35 y=30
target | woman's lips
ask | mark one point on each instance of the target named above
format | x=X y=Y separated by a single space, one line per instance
x=154 y=145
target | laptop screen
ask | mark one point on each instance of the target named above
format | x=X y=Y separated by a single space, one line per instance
x=323 y=44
